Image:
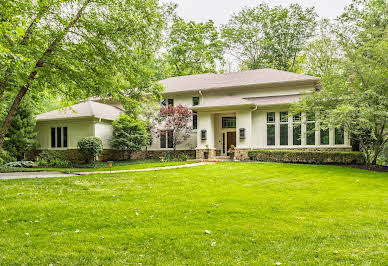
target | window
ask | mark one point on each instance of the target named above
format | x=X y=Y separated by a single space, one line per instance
x=324 y=136
x=310 y=127
x=339 y=136
x=195 y=120
x=229 y=122
x=59 y=137
x=166 y=139
x=283 y=128
x=195 y=101
x=170 y=102
x=271 y=128
x=297 y=130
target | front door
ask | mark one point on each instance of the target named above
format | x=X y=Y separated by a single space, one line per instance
x=231 y=140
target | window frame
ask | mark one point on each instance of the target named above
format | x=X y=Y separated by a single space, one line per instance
x=227 y=119
x=194 y=99
x=62 y=138
x=283 y=124
x=271 y=127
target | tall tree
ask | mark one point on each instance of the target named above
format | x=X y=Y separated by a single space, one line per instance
x=355 y=96
x=193 y=48
x=269 y=37
x=77 y=48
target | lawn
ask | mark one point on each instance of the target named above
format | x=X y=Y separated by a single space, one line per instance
x=125 y=165
x=255 y=213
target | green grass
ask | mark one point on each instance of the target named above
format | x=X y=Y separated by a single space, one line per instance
x=257 y=213
x=124 y=165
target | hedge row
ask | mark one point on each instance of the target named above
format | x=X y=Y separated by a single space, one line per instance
x=316 y=157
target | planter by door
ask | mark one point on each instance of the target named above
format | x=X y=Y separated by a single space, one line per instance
x=231 y=156
x=206 y=155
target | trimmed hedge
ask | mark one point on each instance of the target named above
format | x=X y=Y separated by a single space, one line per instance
x=315 y=157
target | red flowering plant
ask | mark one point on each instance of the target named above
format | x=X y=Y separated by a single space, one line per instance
x=231 y=149
x=177 y=120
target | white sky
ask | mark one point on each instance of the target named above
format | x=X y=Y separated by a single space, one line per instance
x=220 y=10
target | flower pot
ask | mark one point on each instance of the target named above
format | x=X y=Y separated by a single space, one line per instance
x=231 y=156
x=206 y=155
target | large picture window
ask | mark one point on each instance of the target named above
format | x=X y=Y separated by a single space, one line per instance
x=310 y=128
x=325 y=136
x=166 y=139
x=283 y=128
x=271 y=128
x=229 y=122
x=59 y=137
x=297 y=130
x=339 y=136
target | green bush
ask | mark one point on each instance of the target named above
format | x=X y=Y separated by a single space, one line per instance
x=5 y=157
x=170 y=157
x=23 y=164
x=315 y=157
x=90 y=147
x=53 y=158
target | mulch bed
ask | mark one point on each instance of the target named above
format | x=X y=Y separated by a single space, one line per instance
x=376 y=168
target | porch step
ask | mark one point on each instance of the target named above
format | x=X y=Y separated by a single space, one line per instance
x=218 y=159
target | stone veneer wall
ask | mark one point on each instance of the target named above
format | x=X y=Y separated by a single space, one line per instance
x=200 y=154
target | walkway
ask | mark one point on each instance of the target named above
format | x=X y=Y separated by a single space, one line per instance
x=26 y=175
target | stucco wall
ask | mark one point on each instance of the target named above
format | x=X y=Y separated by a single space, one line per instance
x=104 y=131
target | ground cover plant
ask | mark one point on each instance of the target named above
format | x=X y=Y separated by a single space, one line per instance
x=225 y=213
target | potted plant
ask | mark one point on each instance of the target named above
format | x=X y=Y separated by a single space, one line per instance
x=231 y=151
x=206 y=152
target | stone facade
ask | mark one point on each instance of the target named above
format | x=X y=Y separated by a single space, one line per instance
x=155 y=154
x=200 y=154
x=241 y=154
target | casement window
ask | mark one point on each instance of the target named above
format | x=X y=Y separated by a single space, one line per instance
x=297 y=130
x=271 y=128
x=310 y=128
x=229 y=122
x=195 y=120
x=283 y=128
x=168 y=102
x=195 y=101
x=339 y=136
x=325 y=135
x=59 y=137
x=166 y=139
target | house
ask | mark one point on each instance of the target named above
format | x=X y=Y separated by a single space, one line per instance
x=61 y=129
x=249 y=110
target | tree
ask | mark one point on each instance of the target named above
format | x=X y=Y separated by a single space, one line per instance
x=77 y=49
x=130 y=134
x=176 y=119
x=355 y=96
x=21 y=136
x=193 y=48
x=269 y=37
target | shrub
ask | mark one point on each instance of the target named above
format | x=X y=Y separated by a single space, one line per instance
x=24 y=164
x=90 y=147
x=5 y=157
x=317 y=157
x=53 y=158
x=170 y=157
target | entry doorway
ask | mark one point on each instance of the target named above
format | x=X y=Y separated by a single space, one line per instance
x=228 y=139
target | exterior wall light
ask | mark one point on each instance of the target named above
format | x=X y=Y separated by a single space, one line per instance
x=242 y=133
x=203 y=134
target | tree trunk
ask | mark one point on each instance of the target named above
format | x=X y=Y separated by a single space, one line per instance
x=22 y=92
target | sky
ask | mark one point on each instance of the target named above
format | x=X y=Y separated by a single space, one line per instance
x=220 y=10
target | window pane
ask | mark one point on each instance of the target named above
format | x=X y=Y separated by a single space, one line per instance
x=229 y=122
x=270 y=135
x=284 y=134
x=195 y=120
x=325 y=137
x=297 y=117
x=195 y=101
x=59 y=137
x=339 y=136
x=53 y=137
x=271 y=117
x=163 y=102
x=171 y=102
x=283 y=116
x=297 y=134
x=310 y=134
x=162 y=139
x=170 y=139
x=65 y=137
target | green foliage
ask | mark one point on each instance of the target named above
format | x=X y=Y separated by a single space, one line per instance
x=193 y=48
x=171 y=157
x=130 y=134
x=5 y=157
x=90 y=147
x=265 y=36
x=21 y=135
x=23 y=164
x=53 y=158
x=315 y=157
